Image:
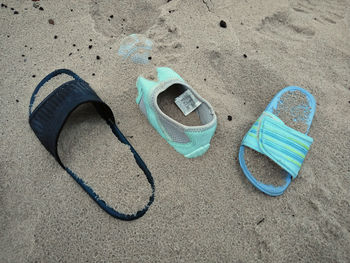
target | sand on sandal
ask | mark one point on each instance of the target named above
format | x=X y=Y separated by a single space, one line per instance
x=205 y=209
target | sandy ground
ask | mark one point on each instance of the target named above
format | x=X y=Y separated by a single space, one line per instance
x=205 y=209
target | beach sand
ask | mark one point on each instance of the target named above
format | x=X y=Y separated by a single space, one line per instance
x=205 y=209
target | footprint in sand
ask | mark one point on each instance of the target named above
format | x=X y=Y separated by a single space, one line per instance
x=329 y=11
x=287 y=25
x=246 y=79
x=124 y=17
x=167 y=38
x=296 y=23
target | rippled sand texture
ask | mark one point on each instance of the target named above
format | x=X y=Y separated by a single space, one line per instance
x=205 y=209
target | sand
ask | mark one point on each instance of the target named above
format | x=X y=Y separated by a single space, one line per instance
x=205 y=209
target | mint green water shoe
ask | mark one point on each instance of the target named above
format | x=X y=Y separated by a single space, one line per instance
x=177 y=112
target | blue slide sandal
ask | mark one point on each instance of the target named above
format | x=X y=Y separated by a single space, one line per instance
x=284 y=145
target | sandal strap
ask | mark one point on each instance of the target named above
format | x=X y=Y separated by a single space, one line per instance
x=285 y=146
x=49 y=117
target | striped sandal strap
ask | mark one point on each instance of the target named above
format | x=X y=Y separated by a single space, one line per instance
x=285 y=146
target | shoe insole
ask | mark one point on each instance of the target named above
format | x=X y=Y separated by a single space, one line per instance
x=166 y=102
x=290 y=112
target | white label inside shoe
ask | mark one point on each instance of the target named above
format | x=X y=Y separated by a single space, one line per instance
x=187 y=102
